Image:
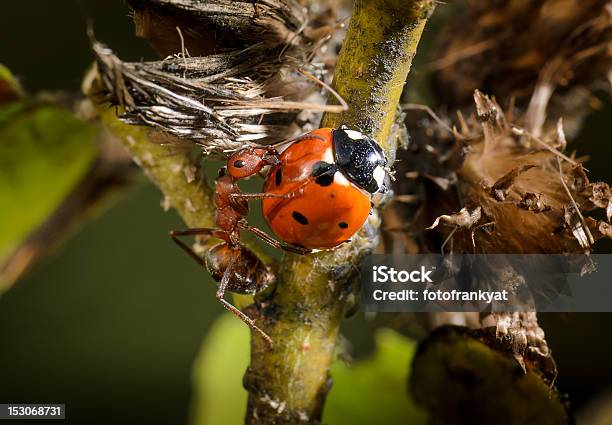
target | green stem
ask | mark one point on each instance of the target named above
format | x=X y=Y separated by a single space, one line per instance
x=191 y=197
x=288 y=383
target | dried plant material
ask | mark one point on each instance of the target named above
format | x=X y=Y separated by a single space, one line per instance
x=547 y=55
x=490 y=115
x=408 y=199
x=433 y=115
x=578 y=178
x=575 y=223
x=463 y=218
x=543 y=61
x=216 y=25
x=602 y=197
x=443 y=181
x=605 y=229
x=561 y=141
x=533 y=202
x=531 y=198
x=501 y=187
x=509 y=179
x=252 y=92
x=522 y=332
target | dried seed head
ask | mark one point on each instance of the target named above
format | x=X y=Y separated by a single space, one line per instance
x=245 y=89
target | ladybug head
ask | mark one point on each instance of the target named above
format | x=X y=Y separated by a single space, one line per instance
x=361 y=159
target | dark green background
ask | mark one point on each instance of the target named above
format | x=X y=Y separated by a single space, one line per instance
x=111 y=323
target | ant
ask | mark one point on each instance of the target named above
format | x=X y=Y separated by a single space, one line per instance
x=231 y=263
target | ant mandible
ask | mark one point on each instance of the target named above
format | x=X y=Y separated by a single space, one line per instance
x=233 y=265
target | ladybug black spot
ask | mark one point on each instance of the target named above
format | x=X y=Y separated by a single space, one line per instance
x=321 y=167
x=324 y=173
x=325 y=180
x=342 y=225
x=278 y=177
x=299 y=218
x=239 y=163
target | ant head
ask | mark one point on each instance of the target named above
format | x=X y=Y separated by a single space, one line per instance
x=248 y=162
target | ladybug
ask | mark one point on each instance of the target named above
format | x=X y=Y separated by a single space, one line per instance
x=316 y=196
x=325 y=180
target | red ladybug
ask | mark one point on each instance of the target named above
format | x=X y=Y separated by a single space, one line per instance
x=333 y=173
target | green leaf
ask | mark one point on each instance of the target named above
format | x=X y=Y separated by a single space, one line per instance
x=219 y=397
x=374 y=391
x=44 y=153
x=368 y=392
x=10 y=89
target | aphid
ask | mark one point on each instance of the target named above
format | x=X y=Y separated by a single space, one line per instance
x=337 y=171
x=316 y=196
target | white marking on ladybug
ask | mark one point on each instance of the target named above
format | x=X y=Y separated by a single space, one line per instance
x=379 y=175
x=341 y=180
x=355 y=135
x=328 y=156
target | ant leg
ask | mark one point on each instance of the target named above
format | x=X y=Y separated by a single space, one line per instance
x=174 y=234
x=273 y=242
x=235 y=198
x=296 y=139
x=221 y=292
x=255 y=196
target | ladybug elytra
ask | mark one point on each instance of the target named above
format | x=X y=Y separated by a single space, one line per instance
x=335 y=172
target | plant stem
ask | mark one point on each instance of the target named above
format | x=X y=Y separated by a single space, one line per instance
x=191 y=197
x=288 y=383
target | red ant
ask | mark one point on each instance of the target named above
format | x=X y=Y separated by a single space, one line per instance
x=232 y=264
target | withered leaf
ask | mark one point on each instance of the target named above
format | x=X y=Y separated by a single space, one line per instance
x=561 y=141
x=500 y=189
x=602 y=197
x=574 y=222
x=443 y=182
x=533 y=202
x=580 y=180
x=605 y=229
x=464 y=218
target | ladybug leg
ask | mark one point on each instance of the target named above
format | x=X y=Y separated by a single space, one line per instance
x=231 y=308
x=273 y=242
x=174 y=234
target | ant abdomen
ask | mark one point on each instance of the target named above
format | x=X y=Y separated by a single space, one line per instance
x=249 y=275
